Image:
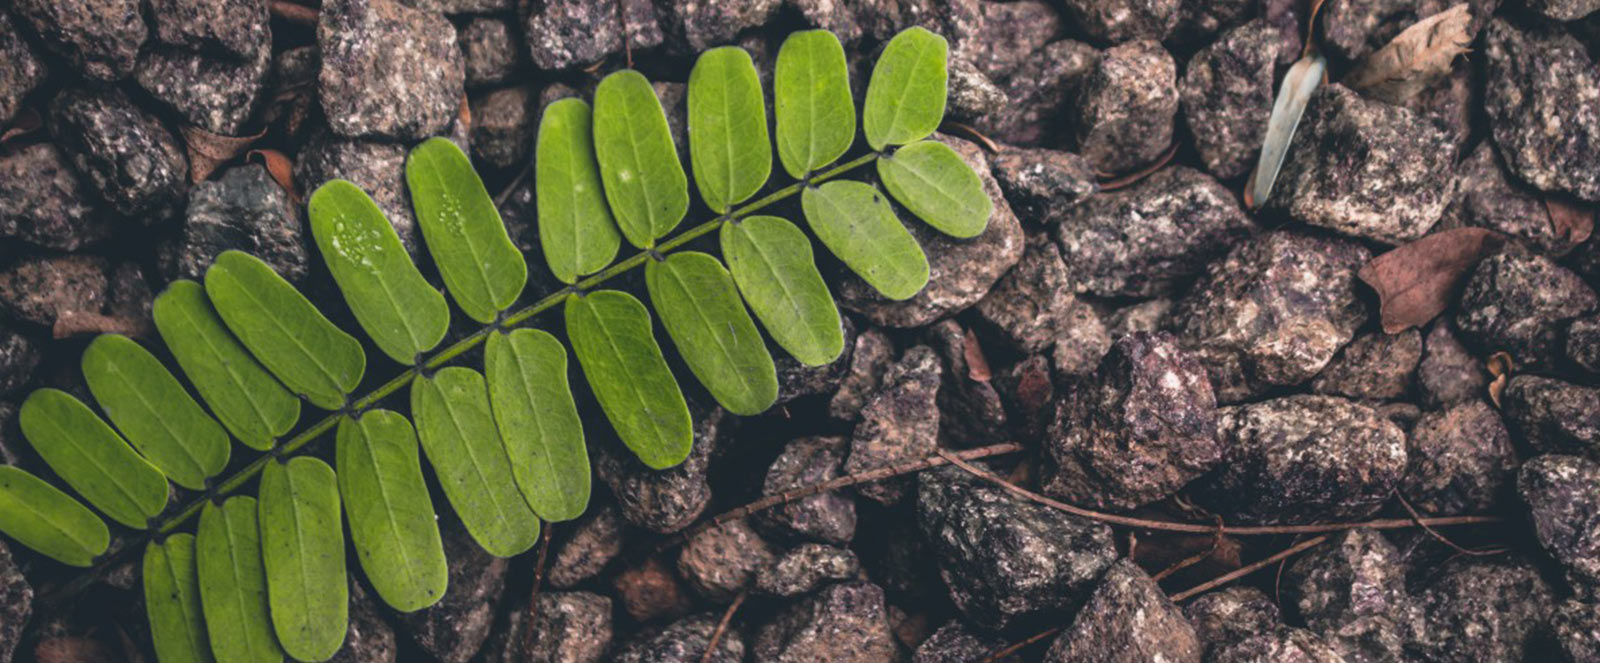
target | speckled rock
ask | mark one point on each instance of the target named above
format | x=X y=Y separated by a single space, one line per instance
x=1008 y=34
x=569 y=627
x=1460 y=460
x=900 y=423
x=1273 y=312
x=1033 y=305
x=663 y=501
x=1449 y=373
x=972 y=93
x=649 y=590
x=453 y=629
x=215 y=94
x=1280 y=644
x=1364 y=168
x=1583 y=343
x=100 y=38
x=703 y=24
x=961 y=271
x=1146 y=316
x=1042 y=183
x=1005 y=559
x=1563 y=495
x=797 y=380
x=368 y=639
x=1152 y=237
x=570 y=34
x=1117 y=21
x=1124 y=115
x=1577 y=631
x=870 y=358
x=970 y=410
x=843 y=623
x=805 y=568
x=1231 y=614
x=1486 y=197
x=684 y=641
x=1227 y=94
x=24 y=70
x=829 y=516
x=1564 y=10
x=456 y=7
x=1353 y=28
x=44 y=289
x=1127 y=620
x=491 y=50
x=1143 y=427
x=16 y=604
x=1039 y=93
x=44 y=202
x=1199 y=21
x=388 y=70
x=1028 y=389
x=504 y=123
x=1374 y=367
x=245 y=209
x=238 y=29
x=375 y=166
x=722 y=561
x=1544 y=108
x=18 y=357
x=1304 y=459
x=595 y=540
x=1520 y=302
x=1482 y=610
x=1352 y=592
x=127 y=156
x=955 y=643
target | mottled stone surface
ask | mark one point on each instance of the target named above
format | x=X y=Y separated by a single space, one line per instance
x=1459 y=460
x=43 y=289
x=18 y=357
x=797 y=380
x=1041 y=183
x=1033 y=307
x=1520 y=302
x=703 y=24
x=1364 y=168
x=1152 y=237
x=649 y=590
x=1448 y=372
x=595 y=540
x=970 y=409
x=663 y=501
x=1486 y=197
x=368 y=639
x=806 y=461
x=216 y=94
x=1010 y=33
x=1004 y=559
x=972 y=94
x=1353 y=28
x=23 y=72
x=683 y=641
x=955 y=643
x=1576 y=628
x=843 y=623
x=388 y=70
x=1564 y=10
x=1117 y=21
x=1374 y=367
x=453 y=629
x=16 y=604
x=127 y=155
x=1039 y=93
x=1583 y=343
x=1231 y=614
x=806 y=567
x=570 y=627
x=870 y=358
x=1304 y=459
x=1482 y=610
x=568 y=34
x=377 y=167
x=900 y=423
x=1544 y=107
x=1280 y=644
x=1273 y=312
x=1124 y=114
x=491 y=50
x=1563 y=498
x=504 y=123
x=1352 y=592
x=1227 y=95
x=100 y=38
x=1127 y=620
x=238 y=29
x=721 y=561
x=245 y=209
x=44 y=202
x=1143 y=427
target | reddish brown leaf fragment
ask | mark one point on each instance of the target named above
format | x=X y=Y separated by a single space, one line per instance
x=1572 y=223
x=1416 y=282
x=1500 y=366
x=977 y=364
x=280 y=168
x=207 y=150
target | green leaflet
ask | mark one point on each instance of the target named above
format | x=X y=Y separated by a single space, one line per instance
x=932 y=181
x=771 y=261
x=644 y=182
x=728 y=142
x=284 y=331
x=41 y=517
x=906 y=96
x=302 y=549
x=716 y=337
x=402 y=313
x=527 y=374
x=854 y=221
x=391 y=517
x=92 y=458
x=233 y=583
x=481 y=267
x=248 y=400
x=154 y=412
x=172 y=597
x=811 y=99
x=575 y=225
x=459 y=435
x=611 y=336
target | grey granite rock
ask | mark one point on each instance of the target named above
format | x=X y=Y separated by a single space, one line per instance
x=663 y=501
x=1544 y=107
x=1563 y=497
x=1128 y=619
x=504 y=123
x=44 y=202
x=16 y=604
x=1351 y=29
x=1521 y=302
x=1232 y=614
x=1375 y=367
x=899 y=423
x=1459 y=460
x=1227 y=94
x=1576 y=628
x=245 y=209
x=492 y=51
x=702 y=24
x=650 y=590
x=368 y=639
x=1125 y=112
x=1352 y=592
x=18 y=357
x=1280 y=644
x=43 y=289
x=236 y=29
x=100 y=38
x=1010 y=33
x=805 y=568
x=562 y=35
x=1564 y=10
x=1041 y=184
x=596 y=539
x=388 y=71
x=844 y=623
x=955 y=643
x=870 y=358
x=1117 y=21
x=1482 y=610
x=127 y=155
x=970 y=409
x=683 y=641
x=1448 y=372
x=1583 y=343
x=1039 y=95
x=720 y=562
x=569 y=627
x=377 y=167
x=1033 y=308
x=829 y=516
x=216 y=94
x=1486 y=197
x=23 y=73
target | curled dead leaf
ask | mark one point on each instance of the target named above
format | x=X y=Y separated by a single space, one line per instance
x=977 y=364
x=280 y=168
x=464 y=114
x=207 y=150
x=26 y=122
x=1500 y=367
x=1571 y=222
x=1414 y=59
x=1416 y=282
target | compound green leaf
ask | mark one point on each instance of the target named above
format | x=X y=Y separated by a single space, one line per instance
x=459 y=435
x=538 y=420
x=771 y=262
x=154 y=412
x=40 y=516
x=302 y=549
x=284 y=331
x=575 y=225
x=391 y=518
x=728 y=142
x=611 y=336
x=233 y=583
x=92 y=458
x=398 y=308
x=644 y=181
x=172 y=597
x=811 y=99
x=481 y=268
x=855 y=222
x=703 y=314
x=906 y=96
x=932 y=181
x=248 y=400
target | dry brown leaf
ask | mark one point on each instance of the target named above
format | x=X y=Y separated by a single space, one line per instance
x=208 y=150
x=1416 y=282
x=1572 y=223
x=280 y=168
x=1414 y=59
x=464 y=114
x=1500 y=366
x=977 y=364
x=26 y=122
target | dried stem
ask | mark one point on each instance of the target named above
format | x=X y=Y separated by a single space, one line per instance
x=1247 y=569
x=722 y=626
x=1417 y=518
x=293 y=13
x=1008 y=650
x=528 y=635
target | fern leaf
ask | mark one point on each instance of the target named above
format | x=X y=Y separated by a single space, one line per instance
x=770 y=260
x=92 y=458
x=458 y=433
x=611 y=336
x=284 y=331
x=527 y=374
x=251 y=403
x=302 y=550
x=932 y=181
x=172 y=597
x=233 y=584
x=40 y=516
x=644 y=182
x=402 y=313
x=706 y=320
x=855 y=222
x=906 y=96
x=154 y=412
x=816 y=116
x=576 y=230
x=480 y=266
x=392 y=521
x=728 y=143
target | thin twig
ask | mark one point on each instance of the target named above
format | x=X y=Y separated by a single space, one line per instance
x=533 y=594
x=500 y=200
x=293 y=13
x=1216 y=542
x=973 y=133
x=722 y=626
x=1483 y=552
x=1247 y=569
x=1129 y=179
x=1008 y=650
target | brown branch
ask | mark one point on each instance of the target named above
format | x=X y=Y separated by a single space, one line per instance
x=973 y=133
x=533 y=594
x=1416 y=517
x=1216 y=542
x=1012 y=649
x=722 y=626
x=293 y=13
x=1247 y=569
x=1129 y=179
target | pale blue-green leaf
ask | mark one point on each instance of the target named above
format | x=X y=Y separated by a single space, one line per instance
x=1298 y=85
x=644 y=181
x=811 y=99
x=40 y=516
x=92 y=458
x=172 y=597
x=771 y=262
x=538 y=420
x=392 y=522
x=728 y=143
x=233 y=583
x=857 y=224
x=703 y=314
x=611 y=336
x=932 y=181
x=480 y=266
x=302 y=549
x=906 y=95
x=575 y=225
x=154 y=412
